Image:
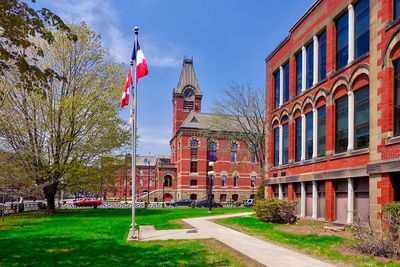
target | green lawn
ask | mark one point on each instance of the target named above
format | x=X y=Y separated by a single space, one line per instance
x=321 y=246
x=98 y=238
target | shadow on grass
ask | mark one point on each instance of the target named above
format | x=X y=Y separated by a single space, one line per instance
x=48 y=251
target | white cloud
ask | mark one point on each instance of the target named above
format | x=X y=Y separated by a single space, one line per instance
x=104 y=19
x=154 y=139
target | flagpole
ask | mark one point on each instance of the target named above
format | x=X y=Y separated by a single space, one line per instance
x=134 y=129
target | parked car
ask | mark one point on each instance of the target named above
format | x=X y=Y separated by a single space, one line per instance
x=182 y=202
x=248 y=202
x=87 y=202
x=205 y=204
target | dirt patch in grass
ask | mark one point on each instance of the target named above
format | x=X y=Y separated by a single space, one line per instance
x=182 y=224
x=217 y=245
x=308 y=227
x=346 y=249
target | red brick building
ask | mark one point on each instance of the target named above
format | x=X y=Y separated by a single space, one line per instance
x=183 y=175
x=333 y=116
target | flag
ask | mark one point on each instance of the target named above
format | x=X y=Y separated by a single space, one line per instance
x=141 y=65
x=125 y=95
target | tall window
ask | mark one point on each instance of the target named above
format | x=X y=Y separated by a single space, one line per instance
x=321 y=131
x=322 y=56
x=361 y=117
x=310 y=64
x=193 y=155
x=309 y=135
x=286 y=83
x=233 y=152
x=396 y=97
x=396 y=9
x=285 y=159
x=223 y=180
x=276 y=146
x=342 y=39
x=341 y=124
x=141 y=172
x=253 y=181
x=277 y=88
x=299 y=66
x=253 y=156
x=362 y=28
x=193 y=166
x=212 y=151
x=298 y=139
x=235 y=180
x=193 y=149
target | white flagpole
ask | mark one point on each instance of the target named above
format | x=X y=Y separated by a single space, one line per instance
x=134 y=129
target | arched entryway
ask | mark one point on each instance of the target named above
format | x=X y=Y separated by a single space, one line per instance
x=167 y=197
x=193 y=196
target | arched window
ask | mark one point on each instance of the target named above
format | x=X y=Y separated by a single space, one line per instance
x=341 y=136
x=141 y=172
x=235 y=180
x=212 y=151
x=233 y=152
x=167 y=180
x=253 y=181
x=396 y=103
x=193 y=148
x=361 y=117
x=193 y=196
x=223 y=180
x=193 y=155
x=321 y=131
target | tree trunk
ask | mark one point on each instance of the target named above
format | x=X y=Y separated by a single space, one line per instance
x=50 y=193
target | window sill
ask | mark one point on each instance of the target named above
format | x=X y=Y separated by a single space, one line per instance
x=350 y=153
x=393 y=140
x=194 y=173
x=281 y=106
x=355 y=61
x=309 y=161
x=392 y=23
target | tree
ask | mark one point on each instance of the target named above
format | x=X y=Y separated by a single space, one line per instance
x=20 y=25
x=61 y=135
x=240 y=114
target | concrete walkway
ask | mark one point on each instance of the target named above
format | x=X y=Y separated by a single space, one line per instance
x=259 y=250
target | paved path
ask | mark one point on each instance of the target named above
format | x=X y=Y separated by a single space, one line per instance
x=259 y=250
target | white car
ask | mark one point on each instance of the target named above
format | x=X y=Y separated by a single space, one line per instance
x=248 y=202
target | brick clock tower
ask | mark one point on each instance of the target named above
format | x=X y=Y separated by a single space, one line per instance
x=186 y=96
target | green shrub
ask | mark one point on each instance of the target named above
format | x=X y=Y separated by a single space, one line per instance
x=260 y=194
x=275 y=210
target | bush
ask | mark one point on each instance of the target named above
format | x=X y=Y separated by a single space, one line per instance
x=260 y=194
x=275 y=210
x=385 y=243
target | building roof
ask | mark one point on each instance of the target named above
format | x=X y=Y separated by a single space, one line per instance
x=144 y=161
x=188 y=78
x=199 y=120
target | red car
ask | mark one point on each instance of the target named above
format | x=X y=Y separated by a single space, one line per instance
x=91 y=202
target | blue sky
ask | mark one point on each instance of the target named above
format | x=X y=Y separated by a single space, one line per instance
x=228 y=39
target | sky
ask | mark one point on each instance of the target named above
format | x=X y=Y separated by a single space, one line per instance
x=228 y=40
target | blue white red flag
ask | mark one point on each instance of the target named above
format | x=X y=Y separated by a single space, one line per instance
x=141 y=65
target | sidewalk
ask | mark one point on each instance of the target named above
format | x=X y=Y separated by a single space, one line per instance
x=259 y=250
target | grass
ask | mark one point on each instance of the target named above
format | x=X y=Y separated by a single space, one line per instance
x=321 y=246
x=98 y=238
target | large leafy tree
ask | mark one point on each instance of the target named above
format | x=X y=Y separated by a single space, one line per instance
x=61 y=134
x=20 y=25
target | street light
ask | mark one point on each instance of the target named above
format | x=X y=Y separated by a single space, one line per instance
x=211 y=175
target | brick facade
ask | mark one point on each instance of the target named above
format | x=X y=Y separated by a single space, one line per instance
x=379 y=160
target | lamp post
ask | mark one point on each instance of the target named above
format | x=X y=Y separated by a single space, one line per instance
x=211 y=174
x=148 y=182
